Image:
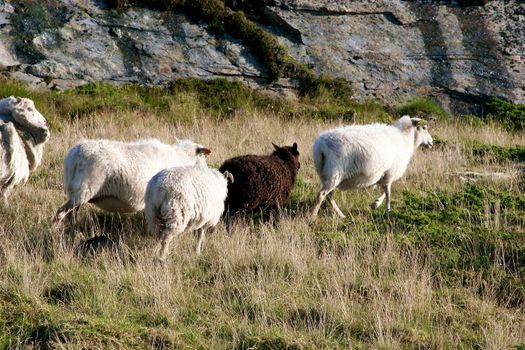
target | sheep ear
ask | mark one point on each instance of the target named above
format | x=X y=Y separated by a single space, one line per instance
x=294 y=146
x=419 y=122
x=404 y=123
x=203 y=150
x=275 y=146
x=18 y=100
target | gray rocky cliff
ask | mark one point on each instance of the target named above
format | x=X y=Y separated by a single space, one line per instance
x=388 y=49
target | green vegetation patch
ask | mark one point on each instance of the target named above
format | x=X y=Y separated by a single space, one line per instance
x=512 y=116
x=498 y=153
x=423 y=108
x=468 y=232
x=222 y=95
x=186 y=97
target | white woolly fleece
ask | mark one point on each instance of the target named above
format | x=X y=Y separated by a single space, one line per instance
x=23 y=133
x=184 y=199
x=365 y=155
x=113 y=175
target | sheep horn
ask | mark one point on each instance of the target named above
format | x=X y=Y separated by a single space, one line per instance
x=228 y=176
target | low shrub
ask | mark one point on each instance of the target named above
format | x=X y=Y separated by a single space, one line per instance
x=499 y=153
x=422 y=107
x=512 y=116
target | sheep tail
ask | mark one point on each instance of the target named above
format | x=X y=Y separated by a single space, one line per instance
x=71 y=178
x=319 y=160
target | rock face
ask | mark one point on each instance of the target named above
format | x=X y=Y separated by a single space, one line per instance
x=394 y=49
x=387 y=49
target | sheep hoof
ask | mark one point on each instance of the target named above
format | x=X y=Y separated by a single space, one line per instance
x=375 y=204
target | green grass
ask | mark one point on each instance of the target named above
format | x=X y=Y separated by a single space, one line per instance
x=467 y=231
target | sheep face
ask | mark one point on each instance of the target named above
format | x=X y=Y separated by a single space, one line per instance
x=288 y=152
x=29 y=119
x=193 y=149
x=422 y=136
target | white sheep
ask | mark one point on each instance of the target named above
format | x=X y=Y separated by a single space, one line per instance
x=184 y=199
x=113 y=175
x=365 y=155
x=23 y=133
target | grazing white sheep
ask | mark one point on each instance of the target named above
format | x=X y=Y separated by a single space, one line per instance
x=184 y=199
x=365 y=155
x=23 y=133
x=113 y=175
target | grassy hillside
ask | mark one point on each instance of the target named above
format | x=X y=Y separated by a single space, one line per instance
x=446 y=269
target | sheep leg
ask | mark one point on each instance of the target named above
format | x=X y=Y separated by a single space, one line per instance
x=167 y=236
x=332 y=202
x=325 y=191
x=68 y=209
x=229 y=225
x=386 y=194
x=5 y=194
x=317 y=205
x=387 y=188
x=375 y=204
x=202 y=236
x=228 y=220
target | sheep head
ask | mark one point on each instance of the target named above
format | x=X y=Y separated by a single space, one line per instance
x=422 y=136
x=192 y=149
x=288 y=152
x=417 y=127
x=26 y=118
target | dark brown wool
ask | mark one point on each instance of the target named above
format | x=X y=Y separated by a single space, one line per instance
x=261 y=182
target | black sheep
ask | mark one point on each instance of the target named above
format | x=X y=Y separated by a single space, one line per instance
x=261 y=182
